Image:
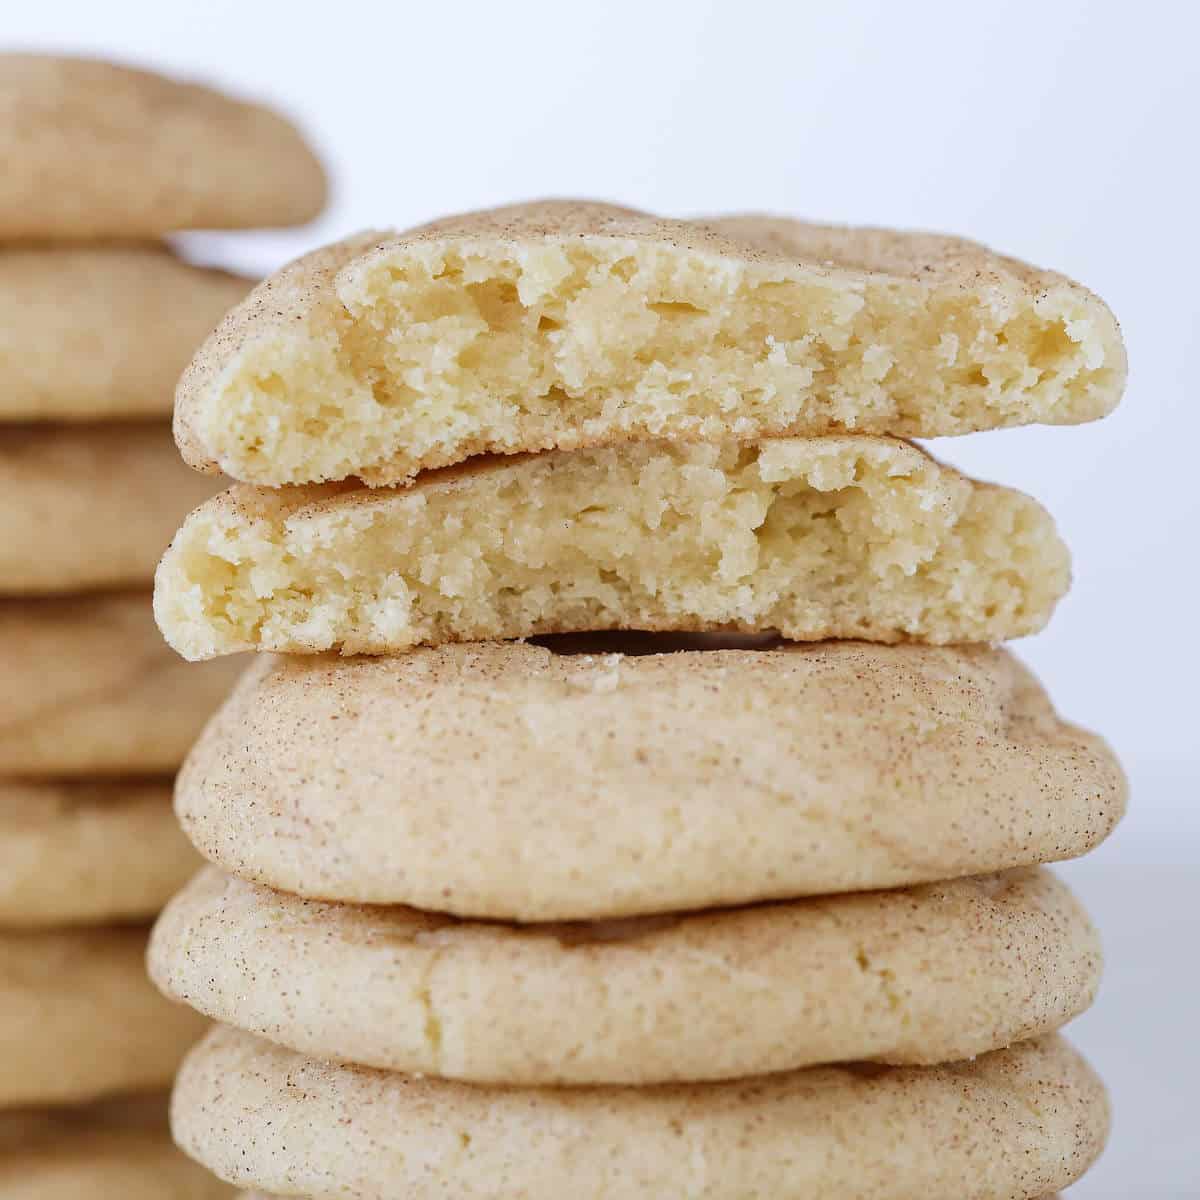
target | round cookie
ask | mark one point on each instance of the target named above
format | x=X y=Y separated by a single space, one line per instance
x=76 y=853
x=504 y=780
x=89 y=507
x=934 y=974
x=79 y=1019
x=564 y=324
x=1011 y=1125
x=100 y=1154
x=97 y=150
x=91 y=689
x=814 y=538
x=83 y=332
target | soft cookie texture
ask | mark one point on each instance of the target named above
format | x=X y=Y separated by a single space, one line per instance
x=88 y=507
x=568 y=324
x=79 y=1019
x=1014 y=1124
x=119 y=1150
x=96 y=150
x=74 y=853
x=101 y=332
x=813 y=537
x=929 y=975
x=87 y=687
x=504 y=780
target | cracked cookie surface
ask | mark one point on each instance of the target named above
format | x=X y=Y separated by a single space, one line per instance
x=929 y=974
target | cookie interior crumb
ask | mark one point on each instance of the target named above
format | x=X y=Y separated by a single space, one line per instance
x=814 y=538
x=427 y=350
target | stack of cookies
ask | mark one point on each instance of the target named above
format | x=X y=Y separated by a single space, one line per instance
x=672 y=822
x=97 y=318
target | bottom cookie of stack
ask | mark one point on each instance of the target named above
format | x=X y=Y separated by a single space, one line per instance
x=1014 y=1124
x=470 y=1024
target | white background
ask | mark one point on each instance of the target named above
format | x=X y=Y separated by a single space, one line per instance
x=1065 y=133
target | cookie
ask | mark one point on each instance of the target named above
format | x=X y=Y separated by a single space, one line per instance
x=79 y=1019
x=1015 y=1123
x=84 y=334
x=96 y=150
x=816 y=538
x=88 y=507
x=87 y=687
x=504 y=780
x=929 y=975
x=101 y=1152
x=76 y=853
x=570 y=324
x=123 y=1165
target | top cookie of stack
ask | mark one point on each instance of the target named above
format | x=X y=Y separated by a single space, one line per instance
x=98 y=315
x=474 y=891
x=667 y=367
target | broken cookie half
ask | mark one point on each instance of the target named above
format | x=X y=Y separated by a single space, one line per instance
x=815 y=538
x=563 y=325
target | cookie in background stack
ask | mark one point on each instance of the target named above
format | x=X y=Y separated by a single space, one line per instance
x=634 y=914
x=97 y=317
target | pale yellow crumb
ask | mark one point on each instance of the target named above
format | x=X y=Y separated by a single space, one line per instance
x=816 y=538
x=569 y=324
